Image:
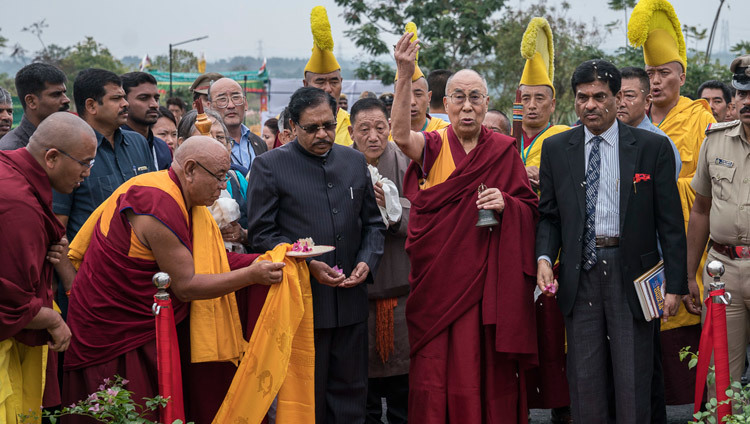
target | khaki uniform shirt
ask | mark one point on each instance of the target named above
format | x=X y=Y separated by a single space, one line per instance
x=723 y=174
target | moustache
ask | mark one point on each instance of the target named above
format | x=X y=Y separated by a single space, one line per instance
x=123 y=111
x=64 y=107
x=326 y=142
x=745 y=109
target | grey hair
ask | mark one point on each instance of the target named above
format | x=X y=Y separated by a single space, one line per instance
x=5 y=97
x=450 y=79
x=187 y=123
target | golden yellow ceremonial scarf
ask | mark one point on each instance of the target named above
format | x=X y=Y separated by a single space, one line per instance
x=281 y=355
x=342 y=128
x=215 y=328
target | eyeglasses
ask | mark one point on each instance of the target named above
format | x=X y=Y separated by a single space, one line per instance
x=221 y=180
x=223 y=101
x=313 y=128
x=80 y=162
x=460 y=98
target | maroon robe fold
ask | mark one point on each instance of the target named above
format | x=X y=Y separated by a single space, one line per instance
x=470 y=311
x=110 y=314
x=28 y=229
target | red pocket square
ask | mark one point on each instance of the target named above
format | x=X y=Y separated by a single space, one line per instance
x=641 y=177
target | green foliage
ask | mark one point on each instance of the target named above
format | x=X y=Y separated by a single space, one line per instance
x=575 y=42
x=738 y=396
x=374 y=69
x=110 y=404
x=698 y=71
x=741 y=48
x=8 y=83
x=3 y=42
x=454 y=33
x=182 y=61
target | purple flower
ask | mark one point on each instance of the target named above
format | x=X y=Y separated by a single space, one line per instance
x=107 y=381
x=112 y=392
x=101 y=387
x=92 y=397
x=337 y=269
x=94 y=408
x=72 y=405
x=125 y=381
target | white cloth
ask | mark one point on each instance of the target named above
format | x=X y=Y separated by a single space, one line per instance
x=225 y=211
x=392 y=211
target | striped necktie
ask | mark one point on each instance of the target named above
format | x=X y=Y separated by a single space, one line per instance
x=592 y=193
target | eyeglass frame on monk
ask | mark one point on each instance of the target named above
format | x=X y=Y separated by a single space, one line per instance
x=85 y=164
x=475 y=97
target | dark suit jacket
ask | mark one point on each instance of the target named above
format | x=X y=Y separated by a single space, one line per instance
x=650 y=206
x=259 y=146
x=294 y=194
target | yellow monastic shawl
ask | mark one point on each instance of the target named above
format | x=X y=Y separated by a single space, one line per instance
x=22 y=375
x=534 y=152
x=342 y=128
x=436 y=124
x=281 y=356
x=444 y=164
x=215 y=328
x=686 y=125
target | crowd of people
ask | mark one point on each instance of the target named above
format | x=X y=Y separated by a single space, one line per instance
x=482 y=266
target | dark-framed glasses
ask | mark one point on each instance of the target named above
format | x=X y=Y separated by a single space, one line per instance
x=313 y=128
x=460 y=98
x=223 y=101
x=221 y=180
x=80 y=162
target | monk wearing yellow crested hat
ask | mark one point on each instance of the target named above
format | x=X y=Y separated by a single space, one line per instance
x=420 y=95
x=324 y=72
x=654 y=25
x=547 y=384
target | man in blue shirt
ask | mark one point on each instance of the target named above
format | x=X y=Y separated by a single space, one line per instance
x=143 y=111
x=636 y=98
x=120 y=155
x=226 y=97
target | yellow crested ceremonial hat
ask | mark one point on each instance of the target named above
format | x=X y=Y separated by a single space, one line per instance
x=538 y=50
x=654 y=25
x=322 y=60
x=412 y=28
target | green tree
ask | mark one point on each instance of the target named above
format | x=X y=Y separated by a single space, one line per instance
x=454 y=33
x=623 y=5
x=743 y=47
x=3 y=41
x=575 y=41
x=89 y=54
x=182 y=61
x=698 y=71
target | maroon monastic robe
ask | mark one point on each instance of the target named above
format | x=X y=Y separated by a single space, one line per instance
x=111 y=318
x=470 y=311
x=27 y=230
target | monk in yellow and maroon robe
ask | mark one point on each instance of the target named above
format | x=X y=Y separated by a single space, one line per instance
x=470 y=312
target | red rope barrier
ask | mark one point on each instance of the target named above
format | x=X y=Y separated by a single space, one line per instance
x=168 y=361
x=714 y=340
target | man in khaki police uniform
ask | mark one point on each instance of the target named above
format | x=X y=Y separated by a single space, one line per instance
x=722 y=209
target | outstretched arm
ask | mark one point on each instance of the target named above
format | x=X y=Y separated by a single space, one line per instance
x=410 y=142
x=176 y=260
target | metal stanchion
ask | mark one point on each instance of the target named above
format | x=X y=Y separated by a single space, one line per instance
x=714 y=340
x=167 y=351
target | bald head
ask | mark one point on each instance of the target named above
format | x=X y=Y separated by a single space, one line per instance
x=61 y=130
x=201 y=164
x=464 y=75
x=199 y=148
x=65 y=146
x=222 y=84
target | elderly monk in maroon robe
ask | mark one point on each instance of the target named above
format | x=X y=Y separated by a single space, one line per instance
x=470 y=312
x=157 y=222
x=57 y=156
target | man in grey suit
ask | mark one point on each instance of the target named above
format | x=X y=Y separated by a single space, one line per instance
x=606 y=189
x=311 y=187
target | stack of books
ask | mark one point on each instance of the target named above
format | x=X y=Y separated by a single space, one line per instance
x=650 y=290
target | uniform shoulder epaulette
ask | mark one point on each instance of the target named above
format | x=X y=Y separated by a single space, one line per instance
x=720 y=126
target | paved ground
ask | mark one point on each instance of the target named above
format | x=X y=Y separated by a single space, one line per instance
x=675 y=414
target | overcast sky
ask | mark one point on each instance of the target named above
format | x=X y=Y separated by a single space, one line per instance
x=235 y=28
